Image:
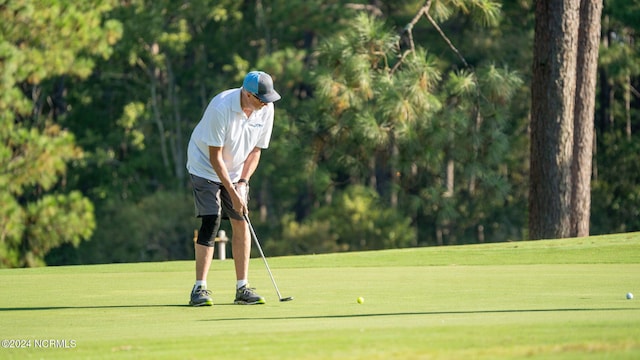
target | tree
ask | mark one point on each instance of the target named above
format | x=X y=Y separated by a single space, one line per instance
x=563 y=91
x=146 y=98
x=430 y=141
x=42 y=45
x=616 y=186
x=584 y=119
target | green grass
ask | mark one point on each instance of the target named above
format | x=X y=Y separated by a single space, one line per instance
x=561 y=299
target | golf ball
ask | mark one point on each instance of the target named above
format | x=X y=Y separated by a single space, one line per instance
x=629 y=296
x=360 y=300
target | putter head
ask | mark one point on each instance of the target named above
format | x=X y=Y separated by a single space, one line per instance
x=286 y=299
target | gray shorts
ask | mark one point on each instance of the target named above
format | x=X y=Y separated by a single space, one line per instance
x=211 y=198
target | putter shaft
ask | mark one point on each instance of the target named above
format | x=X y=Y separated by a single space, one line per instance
x=264 y=259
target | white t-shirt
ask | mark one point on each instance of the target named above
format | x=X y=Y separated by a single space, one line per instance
x=225 y=125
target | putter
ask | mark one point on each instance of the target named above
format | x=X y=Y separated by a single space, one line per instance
x=255 y=239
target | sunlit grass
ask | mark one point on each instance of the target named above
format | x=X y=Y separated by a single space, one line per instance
x=545 y=299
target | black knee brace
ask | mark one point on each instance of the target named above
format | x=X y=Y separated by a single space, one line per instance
x=210 y=225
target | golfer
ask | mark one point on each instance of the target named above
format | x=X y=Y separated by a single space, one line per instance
x=224 y=151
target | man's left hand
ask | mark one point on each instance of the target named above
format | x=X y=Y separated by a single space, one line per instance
x=243 y=191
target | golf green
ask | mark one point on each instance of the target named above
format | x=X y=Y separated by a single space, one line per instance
x=555 y=299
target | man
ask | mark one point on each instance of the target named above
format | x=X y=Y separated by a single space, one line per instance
x=223 y=153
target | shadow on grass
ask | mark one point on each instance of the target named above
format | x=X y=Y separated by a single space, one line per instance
x=41 y=308
x=131 y=306
x=328 y=316
x=452 y=312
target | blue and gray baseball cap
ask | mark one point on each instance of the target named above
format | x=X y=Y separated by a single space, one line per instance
x=260 y=84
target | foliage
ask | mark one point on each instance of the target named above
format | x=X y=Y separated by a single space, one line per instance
x=416 y=111
x=615 y=193
x=158 y=227
x=357 y=220
x=41 y=45
x=362 y=221
x=397 y=126
x=616 y=197
x=138 y=98
x=32 y=31
x=310 y=237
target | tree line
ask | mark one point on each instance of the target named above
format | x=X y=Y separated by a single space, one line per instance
x=403 y=123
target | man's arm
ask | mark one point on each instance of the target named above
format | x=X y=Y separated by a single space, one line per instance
x=251 y=163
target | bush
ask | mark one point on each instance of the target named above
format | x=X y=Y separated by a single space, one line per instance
x=158 y=228
x=357 y=220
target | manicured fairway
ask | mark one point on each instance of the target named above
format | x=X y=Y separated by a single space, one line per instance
x=562 y=299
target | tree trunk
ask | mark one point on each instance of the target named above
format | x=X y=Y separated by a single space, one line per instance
x=157 y=118
x=395 y=180
x=627 y=106
x=552 y=102
x=584 y=121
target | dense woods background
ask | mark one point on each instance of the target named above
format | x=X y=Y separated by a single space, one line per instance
x=403 y=123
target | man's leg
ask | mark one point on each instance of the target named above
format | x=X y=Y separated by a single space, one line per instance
x=241 y=248
x=204 y=254
x=241 y=242
x=204 y=249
